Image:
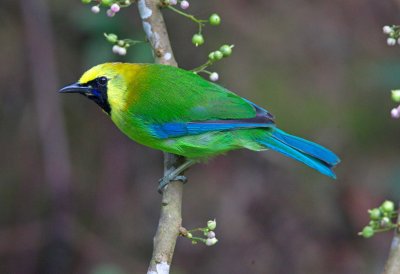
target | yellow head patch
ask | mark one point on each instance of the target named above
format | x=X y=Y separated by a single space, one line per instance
x=119 y=75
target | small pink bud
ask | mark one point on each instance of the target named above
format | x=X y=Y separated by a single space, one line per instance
x=173 y=2
x=122 y=51
x=115 y=49
x=211 y=241
x=387 y=29
x=110 y=13
x=395 y=113
x=115 y=8
x=184 y=4
x=214 y=76
x=391 y=41
x=95 y=9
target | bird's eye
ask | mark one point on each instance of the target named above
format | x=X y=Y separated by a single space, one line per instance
x=102 y=81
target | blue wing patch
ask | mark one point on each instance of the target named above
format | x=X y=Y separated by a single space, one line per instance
x=171 y=130
x=262 y=119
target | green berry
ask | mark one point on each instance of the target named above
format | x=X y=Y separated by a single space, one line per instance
x=86 y=1
x=198 y=39
x=214 y=20
x=107 y=2
x=226 y=50
x=374 y=214
x=218 y=55
x=374 y=224
x=121 y=43
x=211 y=56
x=396 y=95
x=112 y=38
x=211 y=224
x=367 y=232
x=387 y=207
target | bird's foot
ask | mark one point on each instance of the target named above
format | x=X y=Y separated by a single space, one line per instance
x=163 y=182
x=175 y=175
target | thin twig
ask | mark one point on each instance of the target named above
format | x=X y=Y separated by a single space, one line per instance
x=170 y=217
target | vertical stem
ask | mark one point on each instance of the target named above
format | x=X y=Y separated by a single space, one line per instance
x=392 y=265
x=170 y=217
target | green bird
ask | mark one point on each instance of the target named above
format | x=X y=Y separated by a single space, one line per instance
x=177 y=111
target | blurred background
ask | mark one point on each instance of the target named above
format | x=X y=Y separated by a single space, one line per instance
x=77 y=196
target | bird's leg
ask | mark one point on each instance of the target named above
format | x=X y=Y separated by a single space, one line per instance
x=174 y=175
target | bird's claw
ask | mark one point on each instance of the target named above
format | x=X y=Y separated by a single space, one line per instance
x=163 y=182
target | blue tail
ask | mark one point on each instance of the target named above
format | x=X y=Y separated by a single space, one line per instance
x=309 y=153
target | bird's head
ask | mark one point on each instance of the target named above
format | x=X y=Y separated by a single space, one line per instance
x=105 y=84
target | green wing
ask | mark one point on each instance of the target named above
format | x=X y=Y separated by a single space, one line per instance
x=170 y=94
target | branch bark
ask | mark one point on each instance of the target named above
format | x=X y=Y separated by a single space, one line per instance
x=392 y=265
x=170 y=217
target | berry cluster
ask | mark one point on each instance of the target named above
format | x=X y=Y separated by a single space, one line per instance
x=207 y=231
x=120 y=46
x=214 y=56
x=198 y=38
x=383 y=218
x=395 y=112
x=114 y=6
x=394 y=38
x=183 y=3
x=394 y=34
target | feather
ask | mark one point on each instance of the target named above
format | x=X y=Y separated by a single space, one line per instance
x=307 y=147
x=171 y=130
x=286 y=150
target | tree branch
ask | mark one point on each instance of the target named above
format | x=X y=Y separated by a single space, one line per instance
x=392 y=265
x=170 y=216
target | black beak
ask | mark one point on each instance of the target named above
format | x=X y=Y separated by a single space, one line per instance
x=76 y=88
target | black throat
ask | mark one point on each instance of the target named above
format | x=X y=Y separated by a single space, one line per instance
x=98 y=94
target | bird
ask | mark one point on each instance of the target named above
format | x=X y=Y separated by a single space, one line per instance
x=177 y=111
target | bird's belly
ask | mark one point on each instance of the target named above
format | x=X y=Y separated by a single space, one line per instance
x=210 y=144
x=200 y=146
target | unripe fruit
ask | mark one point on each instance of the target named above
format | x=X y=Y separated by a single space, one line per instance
x=211 y=224
x=396 y=95
x=387 y=207
x=374 y=214
x=107 y=2
x=367 y=232
x=218 y=55
x=112 y=38
x=214 y=20
x=211 y=56
x=226 y=50
x=198 y=39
